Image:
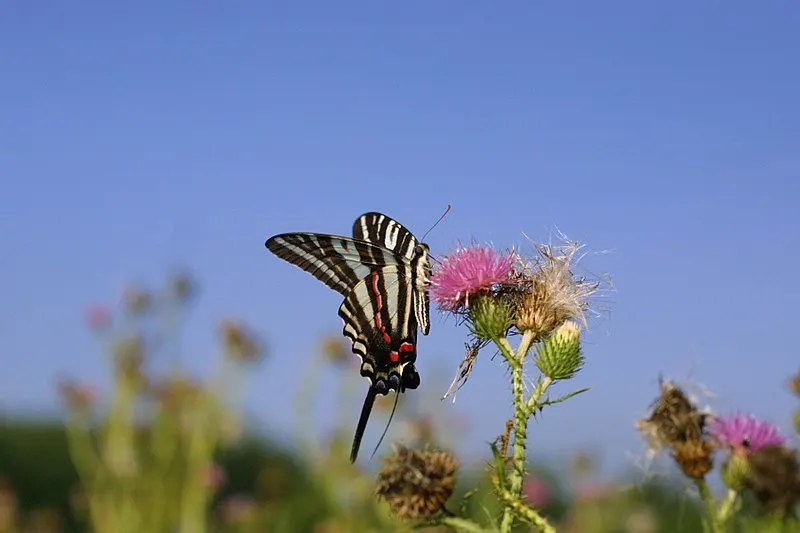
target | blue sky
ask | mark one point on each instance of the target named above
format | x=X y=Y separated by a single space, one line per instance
x=141 y=136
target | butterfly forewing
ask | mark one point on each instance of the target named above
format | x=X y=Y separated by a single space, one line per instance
x=338 y=262
x=384 y=231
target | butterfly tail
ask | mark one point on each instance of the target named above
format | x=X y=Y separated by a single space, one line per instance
x=369 y=401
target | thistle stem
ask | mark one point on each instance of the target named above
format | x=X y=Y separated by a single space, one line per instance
x=713 y=523
x=728 y=507
x=460 y=524
x=512 y=496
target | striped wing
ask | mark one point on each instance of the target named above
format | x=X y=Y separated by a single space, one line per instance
x=384 y=231
x=379 y=321
x=339 y=262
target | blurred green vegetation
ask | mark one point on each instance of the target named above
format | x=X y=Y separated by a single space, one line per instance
x=165 y=452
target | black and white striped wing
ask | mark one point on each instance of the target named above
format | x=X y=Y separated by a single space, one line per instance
x=384 y=231
x=379 y=229
x=380 y=323
x=339 y=262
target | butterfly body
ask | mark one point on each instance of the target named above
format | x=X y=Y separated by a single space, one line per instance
x=383 y=273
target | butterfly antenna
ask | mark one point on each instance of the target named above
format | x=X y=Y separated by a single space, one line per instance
x=369 y=401
x=396 y=398
x=437 y=222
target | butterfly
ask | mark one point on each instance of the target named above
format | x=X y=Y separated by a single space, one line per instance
x=383 y=272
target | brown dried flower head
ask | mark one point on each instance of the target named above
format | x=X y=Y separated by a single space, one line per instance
x=674 y=419
x=77 y=396
x=774 y=478
x=550 y=294
x=795 y=384
x=335 y=350
x=239 y=343
x=137 y=301
x=417 y=483
x=182 y=287
x=694 y=457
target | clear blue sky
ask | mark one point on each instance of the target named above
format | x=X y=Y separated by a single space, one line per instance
x=136 y=137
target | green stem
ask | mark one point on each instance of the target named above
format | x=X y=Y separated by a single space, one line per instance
x=512 y=496
x=460 y=524
x=728 y=507
x=713 y=523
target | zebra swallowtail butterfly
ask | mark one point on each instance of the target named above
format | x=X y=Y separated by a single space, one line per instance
x=383 y=273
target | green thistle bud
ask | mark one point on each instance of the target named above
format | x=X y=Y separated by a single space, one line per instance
x=735 y=472
x=490 y=317
x=559 y=356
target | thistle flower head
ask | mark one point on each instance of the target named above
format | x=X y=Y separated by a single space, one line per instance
x=744 y=433
x=468 y=272
x=694 y=457
x=674 y=419
x=774 y=477
x=552 y=294
x=417 y=483
x=239 y=343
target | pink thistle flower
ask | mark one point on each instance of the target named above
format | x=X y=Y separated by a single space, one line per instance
x=467 y=272
x=537 y=491
x=743 y=433
x=98 y=317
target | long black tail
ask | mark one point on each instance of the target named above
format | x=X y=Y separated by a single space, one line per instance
x=362 y=423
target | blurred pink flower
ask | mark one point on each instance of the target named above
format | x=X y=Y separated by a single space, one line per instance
x=213 y=476
x=594 y=491
x=98 y=317
x=238 y=508
x=467 y=272
x=77 y=395
x=745 y=433
x=537 y=491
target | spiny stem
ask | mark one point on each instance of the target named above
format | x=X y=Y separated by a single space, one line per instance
x=513 y=494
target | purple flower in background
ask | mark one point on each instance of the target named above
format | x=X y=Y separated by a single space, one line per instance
x=741 y=432
x=537 y=491
x=467 y=272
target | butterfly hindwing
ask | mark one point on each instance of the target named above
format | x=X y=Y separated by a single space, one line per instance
x=379 y=321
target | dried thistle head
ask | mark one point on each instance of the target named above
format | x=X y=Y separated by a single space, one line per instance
x=137 y=301
x=549 y=293
x=774 y=478
x=794 y=384
x=674 y=419
x=694 y=457
x=240 y=344
x=182 y=287
x=335 y=350
x=417 y=483
x=77 y=396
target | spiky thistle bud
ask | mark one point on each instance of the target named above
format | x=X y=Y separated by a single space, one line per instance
x=490 y=317
x=559 y=356
x=735 y=471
